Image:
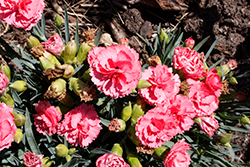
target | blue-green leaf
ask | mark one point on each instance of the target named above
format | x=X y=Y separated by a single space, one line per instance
x=66 y=22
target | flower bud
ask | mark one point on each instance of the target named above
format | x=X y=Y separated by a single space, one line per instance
x=58 y=85
x=189 y=43
x=233 y=81
x=126 y=112
x=19 y=86
x=6 y=69
x=123 y=41
x=7 y=99
x=46 y=162
x=117 y=149
x=226 y=68
x=61 y=150
x=245 y=120
x=68 y=70
x=132 y=136
x=58 y=21
x=137 y=111
x=133 y=160
x=48 y=61
x=143 y=84
x=77 y=85
x=161 y=152
x=32 y=41
x=68 y=158
x=72 y=151
x=18 y=137
x=70 y=52
x=19 y=119
x=163 y=35
x=86 y=76
x=117 y=125
x=82 y=53
x=225 y=139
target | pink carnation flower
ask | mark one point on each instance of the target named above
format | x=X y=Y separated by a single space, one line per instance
x=189 y=43
x=54 y=45
x=47 y=117
x=208 y=124
x=155 y=127
x=203 y=97
x=213 y=80
x=80 y=125
x=178 y=156
x=115 y=70
x=111 y=160
x=7 y=126
x=188 y=61
x=32 y=160
x=4 y=82
x=165 y=85
x=182 y=110
x=21 y=13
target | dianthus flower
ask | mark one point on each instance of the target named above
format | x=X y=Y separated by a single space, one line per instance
x=204 y=99
x=80 y=125
x=111 y=160
x=47 y=117
x=32 y=160
x=188 y=61
x=115 y=70
x=4 y=82
x=178 y=156
x=21 y=13
x=155 y=127
x=54 y=45
x=213 y=80
x=165 y=85
x=7 y=126
x=208 y=124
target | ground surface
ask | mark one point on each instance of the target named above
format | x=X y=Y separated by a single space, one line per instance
x=227 y=19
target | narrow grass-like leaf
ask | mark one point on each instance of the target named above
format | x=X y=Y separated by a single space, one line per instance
x=98 y=37
x=77 y=36
x=215 y=64
x=15 y=97
x=227 y=127
x=49 y=138
x=66 y=24
x=219 y=158
x=12 y=53
x=78 y=68
x=29 y=134
x=36 y=31
x=105 y=122
x=43 y=25
x=199 y=45
x=231 y=153
x=151 y=50
x=99 y=151
x=211 y=48
x=71 y=163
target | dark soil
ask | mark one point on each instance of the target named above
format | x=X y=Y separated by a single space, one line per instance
x=227 y=19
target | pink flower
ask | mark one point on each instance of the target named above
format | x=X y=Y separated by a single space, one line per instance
x=189 y=43
x=182 y=110
x=232 y=64
x=80 y=125
x=111 y=160
x=165 y=85
x=4 y=82
x=115 y=70
x=32 y=160
x=178 y=156
x=54 y=45
x=208 y=124
x=47 y=117
x=21 y=13
x=7 y=126
x=203 y=97
x=213 y=80
x=188 y=61
x=155 y=127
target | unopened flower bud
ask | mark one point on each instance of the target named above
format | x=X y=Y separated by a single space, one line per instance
x=117 y=149
x=46 y=162
x=7 y=99
x=226 y=68
x=143 y=84
x=86 y=75
x=19 y=86
x=72 y=151
x=189 y=43
x=126 y=112
x=18 y=137
x=33 y=41
x=133 y=160
x=48 y=61
x=117 y=125
x=137 y=111
x=6 y=69
x=58 y=85
x=233 y=81
x=132 y=136
x=226 y=137
x=163 y=35
x=123 y=41
x=77 y=85
x=19 y=119
x=58 y=21
x=70 y=52
x=82 y=53
x=61 y=150
x=68 y=70
x=68 y=158
x=245 y=120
